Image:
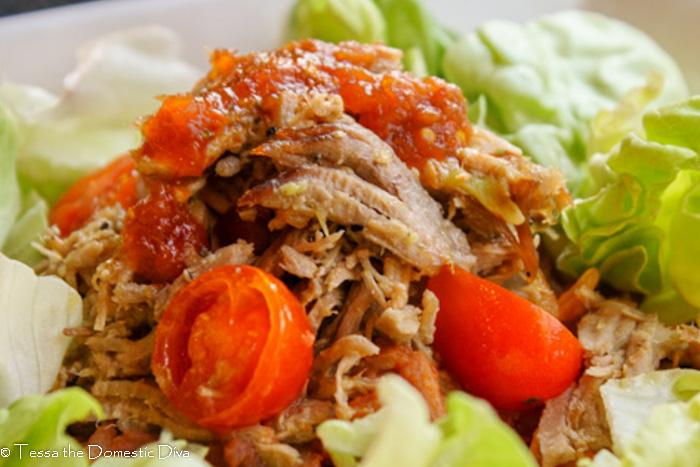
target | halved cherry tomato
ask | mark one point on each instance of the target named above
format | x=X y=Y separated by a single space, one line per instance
x=115 y=183
x=500 y=346
x=233 y=348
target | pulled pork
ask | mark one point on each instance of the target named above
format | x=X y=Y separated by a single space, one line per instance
x=292 y=171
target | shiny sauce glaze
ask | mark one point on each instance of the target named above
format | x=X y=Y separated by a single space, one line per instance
x=420 y=118
x=161 y=236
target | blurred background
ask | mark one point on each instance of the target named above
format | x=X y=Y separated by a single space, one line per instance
x=12 y=7
x=39 y=47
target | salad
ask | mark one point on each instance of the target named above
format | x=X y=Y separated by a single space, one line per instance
x=381 y=243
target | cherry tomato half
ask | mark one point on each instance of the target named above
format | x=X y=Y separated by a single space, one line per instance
x=115 y=183
x=500 y=346
x=233 y=348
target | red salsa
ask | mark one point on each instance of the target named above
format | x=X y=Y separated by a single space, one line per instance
x=421 y=118
x=161 y=236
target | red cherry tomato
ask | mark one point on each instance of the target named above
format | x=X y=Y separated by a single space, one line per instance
x=233 y=348
x=500 y=346
x=115 y=183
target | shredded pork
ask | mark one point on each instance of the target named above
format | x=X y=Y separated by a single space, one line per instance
x=311 y=196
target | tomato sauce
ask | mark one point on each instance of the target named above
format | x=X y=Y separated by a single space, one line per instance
x=421 y=118
x=179 y=131
x=118 y=182
x=161 y=235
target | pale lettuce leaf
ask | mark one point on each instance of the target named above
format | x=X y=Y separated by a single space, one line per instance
x=651 y=422
x=115 y=83
x=401 y=433
x=33 y=313
x=39 y=422
x=9 y=186
x=630 y=402
x=610 y=126
x=383 y=439
x=31 y=223
x=412 y=28
x=475 y=435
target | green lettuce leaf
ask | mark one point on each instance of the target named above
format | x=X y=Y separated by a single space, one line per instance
x=610 y=126
x=30 y=224
x=9 y=186
x=338 y=20
x=33 y=313
x=401 y=433
x=651 y=422
x=381 y=439
x=541 y=84
x=39 y=422
x=412 y=28
x=640 y=227
x=404 y=24
x=474 y=435
x=116 y=81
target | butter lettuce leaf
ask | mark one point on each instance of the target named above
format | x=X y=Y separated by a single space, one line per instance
x=401 y=433
x=48 y=142
x=654 y=419
x=338 y=20
x=640 y=226
x=541 y=84
x=118 y=77
x=630 y=402
x=383 y=437
x=33 y=313
x=39 y=422
x=404 y=24
x=26 y=231
x=9 y=185
x=412 y=28
x=474 y=435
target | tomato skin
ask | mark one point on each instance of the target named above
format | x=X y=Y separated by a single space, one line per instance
x=233 y=348
x=500 y=346
x=115 y=183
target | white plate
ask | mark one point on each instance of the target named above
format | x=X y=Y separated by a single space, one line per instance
x=39 y=48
